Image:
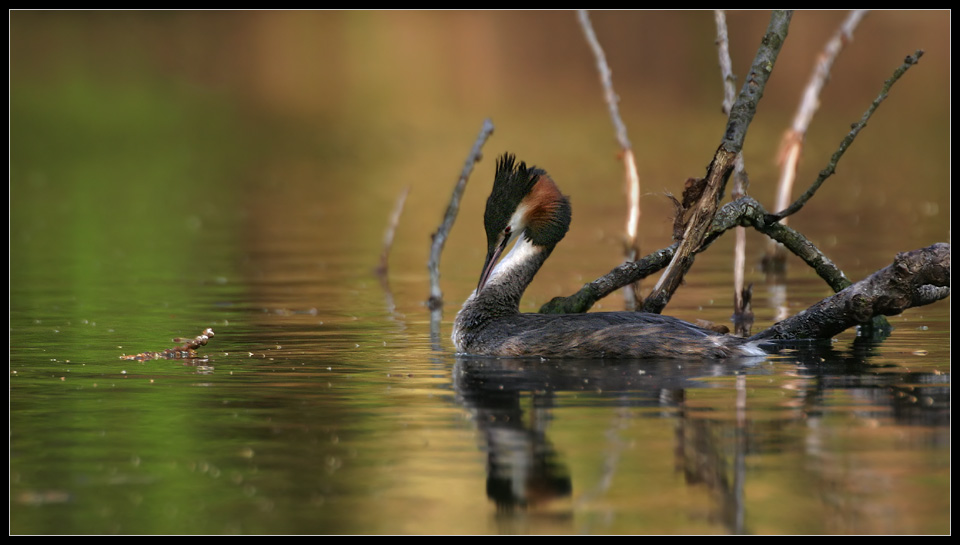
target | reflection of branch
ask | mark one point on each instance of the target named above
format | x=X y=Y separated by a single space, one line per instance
x=440 y=236
x=719 y=171
x=914 y=279
x=626 y=150
x=855 y=130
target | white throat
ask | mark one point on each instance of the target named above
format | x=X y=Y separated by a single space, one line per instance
x=522 y=252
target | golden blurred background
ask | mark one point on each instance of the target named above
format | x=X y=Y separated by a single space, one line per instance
x=300 y=117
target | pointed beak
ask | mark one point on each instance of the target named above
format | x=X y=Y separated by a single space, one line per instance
x=493 y=254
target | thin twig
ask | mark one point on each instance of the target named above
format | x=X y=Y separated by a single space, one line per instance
x=381 y=269
x=632 y=249
x=791 y=146
x=742 y=313
x=439 y=238
x=391 y=230
x=742 y=316
x=605 y=78
x=831 y=167
x=726 y=66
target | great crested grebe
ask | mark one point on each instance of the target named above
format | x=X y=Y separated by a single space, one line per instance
x=526 y=206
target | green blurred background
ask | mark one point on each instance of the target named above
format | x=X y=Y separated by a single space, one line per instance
x=136 y=134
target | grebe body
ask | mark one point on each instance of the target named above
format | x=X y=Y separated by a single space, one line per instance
x=527 y=207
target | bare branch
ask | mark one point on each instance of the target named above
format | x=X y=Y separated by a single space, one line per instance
x=440 y=236
x=742 y=316
x=391 y=229
x=629 y=161
x=590 y=293
x=821 y=70
x=726 y=66
x=605 y=79
x=848 y=140
x=791 y=146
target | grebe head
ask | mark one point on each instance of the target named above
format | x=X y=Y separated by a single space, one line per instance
x=524 y=201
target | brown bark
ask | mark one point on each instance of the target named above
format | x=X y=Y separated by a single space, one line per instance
x=915 y=278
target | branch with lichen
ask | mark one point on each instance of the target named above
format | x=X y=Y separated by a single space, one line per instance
x=916 y=278
x=723 y=161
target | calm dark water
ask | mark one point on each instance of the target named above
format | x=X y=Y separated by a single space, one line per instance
x=320 y=420
x=157 y=191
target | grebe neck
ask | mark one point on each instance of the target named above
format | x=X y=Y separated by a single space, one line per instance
x=502 y=292
x=500 y=296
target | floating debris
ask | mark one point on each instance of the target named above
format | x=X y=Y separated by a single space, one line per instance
x=186 y=349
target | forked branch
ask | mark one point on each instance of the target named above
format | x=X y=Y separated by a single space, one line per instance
x=723 y=161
